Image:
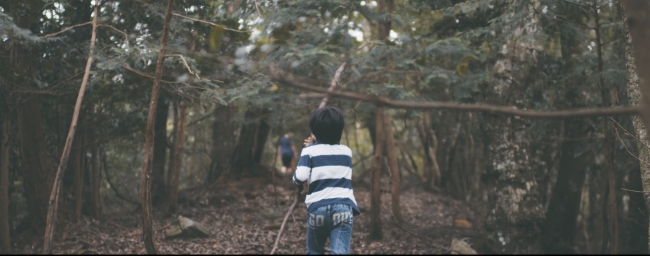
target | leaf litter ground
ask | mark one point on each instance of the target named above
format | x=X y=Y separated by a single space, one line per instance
x=244 y=219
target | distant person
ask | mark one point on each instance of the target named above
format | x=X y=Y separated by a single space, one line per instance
x=286 y=152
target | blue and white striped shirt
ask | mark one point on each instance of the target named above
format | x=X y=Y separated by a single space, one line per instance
x=328 y=168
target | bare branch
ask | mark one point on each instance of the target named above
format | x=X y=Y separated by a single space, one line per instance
x=630 y=134
x=147 y=75
x=280 y=76
x=126 y=36
x=209 y=23
x=66 y=29
x=258 y=9
x=189 y=69
x=628 y=150
x=637 y=191
x=335 y=81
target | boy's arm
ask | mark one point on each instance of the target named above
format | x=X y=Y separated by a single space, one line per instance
x=304 y=167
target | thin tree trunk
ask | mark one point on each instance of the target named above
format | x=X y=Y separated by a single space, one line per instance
x=638 y=91
x=180 y=119
x=145 y=175
x=560 y=227
x=172 y=151
x=5 y=244
x=159 y=152
x=383 y=31
x=262 y=134
x=78 y=166
x=375 y=197
x=396 y=183
x=222 y=142
x=35 y=164
x=612 y=214
x=248 y=152
x=560 y=224
x=430 y=146
x=54 y=197
x=95 y=183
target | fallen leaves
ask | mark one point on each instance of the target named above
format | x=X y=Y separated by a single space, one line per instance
x=242 y=221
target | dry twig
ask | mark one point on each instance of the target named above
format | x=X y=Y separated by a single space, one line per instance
x=188 y=67
x=335 y=81
x=209 y=23
x=636 y=191
x=284 y=222
x=66 y=29
x=258 y=9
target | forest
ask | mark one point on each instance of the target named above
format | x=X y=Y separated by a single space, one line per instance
x=476 y=126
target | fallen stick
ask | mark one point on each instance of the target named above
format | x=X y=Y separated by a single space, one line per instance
x=275 y=193
x=335 y=81
x=284 y=222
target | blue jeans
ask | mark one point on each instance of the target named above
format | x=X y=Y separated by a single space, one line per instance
x=333 y=221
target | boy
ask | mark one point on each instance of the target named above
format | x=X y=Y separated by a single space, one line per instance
x=327 y=166
x=286 y=151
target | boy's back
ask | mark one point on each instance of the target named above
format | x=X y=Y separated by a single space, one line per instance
x=327 y=166
x=328 y=169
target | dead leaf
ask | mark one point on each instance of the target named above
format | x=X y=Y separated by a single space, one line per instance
x=462 y=223
x=460 y=246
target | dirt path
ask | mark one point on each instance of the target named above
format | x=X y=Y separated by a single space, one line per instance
x=244 y=219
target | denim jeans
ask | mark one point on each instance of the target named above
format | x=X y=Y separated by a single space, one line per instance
x=333 y=221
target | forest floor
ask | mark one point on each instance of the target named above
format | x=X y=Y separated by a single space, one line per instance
x=244 y=219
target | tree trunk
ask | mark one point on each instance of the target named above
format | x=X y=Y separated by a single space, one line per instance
x=383 y=30
x=612 y=214
x=159 y=152
x=262 y=134
x=380 y=136
x=222 y=142
x=560 y=225
x=145 y=175
x=560 y=228
x=375 y=197
x=95 y=183
x=56 y=187
x=78 y=167
x=37 y=177
x=5 y=244
x=515 y=211
x=247 y=154
x=396 y=183
x=634 y=228
x=430 y=146
x=637 y=39
x=34 y=160
x=180 y=117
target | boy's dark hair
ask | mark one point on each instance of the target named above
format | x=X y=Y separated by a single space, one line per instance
x=327 y=125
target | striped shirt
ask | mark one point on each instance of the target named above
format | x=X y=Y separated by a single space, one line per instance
x=328 y=168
